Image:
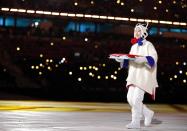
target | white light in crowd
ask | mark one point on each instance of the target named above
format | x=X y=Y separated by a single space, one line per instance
x=103 y=17
x=160 y=33
x=90 y=67
x=122 y=3
x=118 y=18
x=155 y=8
x=41 y=64
x=160 y=2
x=115 y=72
x=37 y=67
x=64 y=14
x=62 y=60
x=177 y=63
x=165 y=22
x=56 y=65
x=64 y=38
x=47 y=60
x=112 y=76
x=90 y=73
x=49 y=68
x=184 y=63
x=118 y=1
x=85 y=68
x=77 y=54
x=125 y=19
x=71 y=15
x=154 y=21
x=132 y=10
x=119 y=68
x=183 y=23
x=70 y=72
x=140 y=0
x=88 y=16
x=180 y=71
x=75 y=3
x=81 y=68
x=5 y=9
x=98 y=77
x=40 y=73
x=95 y=16
x=93 y=75
x=175 y=76
x=174 y=2
x=96 y=69
x=106 y=77
x=92 y=2
x=47 y=12
x=95 y=46
x=51 y=43
x=86 y=39
x=4 y=70
x=184 y=81
x=55 y=13
x=36 y=24
x=51 y=60
x=110 y=17
x=32 y=67
x=170 y=79
x=79 y=79
x=104 y=65
x=79 y=15
x=41 y=55
x=92 y=16
x=133 y=19
x=21 y=10
x=183 y=46
x=30 y=11
x=14 y=10
x=140 y=20
x=39 y=12
x=147 y=20
x=176 y=23
x=115 y=78
x=18 y=48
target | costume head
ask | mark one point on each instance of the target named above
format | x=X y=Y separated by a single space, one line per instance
x=140 y=30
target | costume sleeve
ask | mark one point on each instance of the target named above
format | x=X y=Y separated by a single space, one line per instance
x=152 y=56
x=124 y=64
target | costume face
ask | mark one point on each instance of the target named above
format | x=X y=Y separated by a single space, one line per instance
x=137 y=33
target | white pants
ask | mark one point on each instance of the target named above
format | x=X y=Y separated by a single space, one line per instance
x=135 y=97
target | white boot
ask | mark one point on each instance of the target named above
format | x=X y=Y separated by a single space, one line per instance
x=135 y=124
x=148 y=114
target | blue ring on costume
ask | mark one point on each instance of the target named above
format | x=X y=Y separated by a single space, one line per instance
x=150 y=60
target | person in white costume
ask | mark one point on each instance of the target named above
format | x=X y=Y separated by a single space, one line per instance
x=141 y=78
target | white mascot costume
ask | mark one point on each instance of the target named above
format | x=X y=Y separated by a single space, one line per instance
x=141 y=78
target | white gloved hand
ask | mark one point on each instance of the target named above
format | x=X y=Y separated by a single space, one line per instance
x=119 y=60
x=140 y=60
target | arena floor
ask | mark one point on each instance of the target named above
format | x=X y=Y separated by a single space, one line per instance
x=84 y=116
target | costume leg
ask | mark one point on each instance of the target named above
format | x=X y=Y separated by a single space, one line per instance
x=137 y=98
x=130 y=95
x=148 y=114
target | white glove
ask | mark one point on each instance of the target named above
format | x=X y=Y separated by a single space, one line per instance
x=119 y=60
x=140 y=60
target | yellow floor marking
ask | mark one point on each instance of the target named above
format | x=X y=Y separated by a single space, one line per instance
x=82 y=106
